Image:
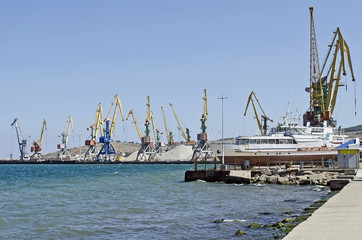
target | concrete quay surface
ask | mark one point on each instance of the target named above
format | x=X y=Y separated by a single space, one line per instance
x=339 y=218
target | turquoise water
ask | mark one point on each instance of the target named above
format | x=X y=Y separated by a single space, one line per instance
x=136 y=202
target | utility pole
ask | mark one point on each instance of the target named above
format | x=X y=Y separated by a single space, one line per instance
x=223 y=167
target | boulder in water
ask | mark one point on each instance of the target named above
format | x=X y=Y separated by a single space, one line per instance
x=239 y=232
x=254 y=225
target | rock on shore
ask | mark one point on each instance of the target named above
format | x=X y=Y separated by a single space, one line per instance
x=277 y=175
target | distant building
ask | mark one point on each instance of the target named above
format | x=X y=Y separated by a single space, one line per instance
x=349 y=154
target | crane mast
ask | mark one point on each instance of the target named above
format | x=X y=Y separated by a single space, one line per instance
x=36 y=148
x=148 y=117
x=155 y=134
x=204 y=114
x=63 y=153
x=263 y=129
x=21 y=141
x=316 y=89
x=168 y=133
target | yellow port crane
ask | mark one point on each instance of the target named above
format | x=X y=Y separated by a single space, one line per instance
x=323 y=92
x=107 y=152
x=341 y=52
x=263 y=129
x=36 y=148
x=185 y=135
x=168 y=133
x=203 y=149
x=63 y=153
x=94 y=128
x=135 y=123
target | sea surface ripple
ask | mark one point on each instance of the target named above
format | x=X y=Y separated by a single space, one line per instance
x=136 y=202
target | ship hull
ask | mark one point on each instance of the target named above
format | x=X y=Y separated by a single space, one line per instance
x=275 y=158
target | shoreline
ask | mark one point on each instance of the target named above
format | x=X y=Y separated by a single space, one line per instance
x=281 y=229
x=2 y=161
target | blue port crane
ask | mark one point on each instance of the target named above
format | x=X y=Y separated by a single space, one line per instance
x=107 y=152
x=21 y=141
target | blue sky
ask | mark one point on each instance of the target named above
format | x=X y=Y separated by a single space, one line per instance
x=61 y=58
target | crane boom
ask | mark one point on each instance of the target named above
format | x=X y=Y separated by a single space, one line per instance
x=118 y=105
x=187 y=137
x=98 y=122
x=334 y=72
x=65 y=133
x=262 y=129
x=44 y=127
x=135 y=123
x=153 y=127
x=168 y=133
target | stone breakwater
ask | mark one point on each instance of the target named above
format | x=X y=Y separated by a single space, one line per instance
x=295 y=176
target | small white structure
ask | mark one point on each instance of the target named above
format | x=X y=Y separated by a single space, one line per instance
x=349 y=154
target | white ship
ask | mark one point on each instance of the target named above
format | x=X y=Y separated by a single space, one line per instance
x=284 y=143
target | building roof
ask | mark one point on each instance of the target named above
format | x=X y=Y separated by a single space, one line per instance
x=348 y=144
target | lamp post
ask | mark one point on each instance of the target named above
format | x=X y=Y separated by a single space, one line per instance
x=223 y=167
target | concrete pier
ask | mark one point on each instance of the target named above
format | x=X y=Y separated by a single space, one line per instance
x=339 y=218
x=217 y=175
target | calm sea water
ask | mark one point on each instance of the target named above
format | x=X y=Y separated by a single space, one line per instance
x=136 y=202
